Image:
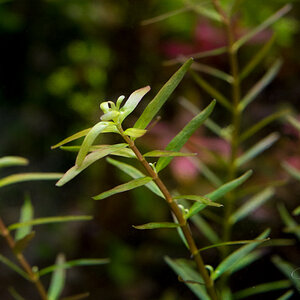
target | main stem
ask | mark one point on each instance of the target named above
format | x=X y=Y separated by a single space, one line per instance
x=209 y=284
x=23 y=262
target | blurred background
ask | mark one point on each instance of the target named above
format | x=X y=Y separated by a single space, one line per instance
x=59 y=59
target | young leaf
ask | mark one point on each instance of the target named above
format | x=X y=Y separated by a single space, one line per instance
x=23 y=243
x=124 y=187
x=286 y=295
x=156 y=225
x=135 y=132
x=58 y=279
x=132 y=102
x=291 y=170
x=154 y=106
x=260 y=85
x=182 y=137
x=26 y=215
x=184 y=270
x=235 y=256
x=218 y=193
x=8 y=161
x=166 y=153
x=13 y=267
x=251 y=205
x=28 y=177
x=49 y=220
x=294 y=122
x=74 y=263
x=199 y=199
x=135 y=173
x=88 y=160
x=88 y=141
x=284 y=10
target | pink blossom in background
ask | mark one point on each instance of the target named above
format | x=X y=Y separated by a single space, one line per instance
x=183 y=169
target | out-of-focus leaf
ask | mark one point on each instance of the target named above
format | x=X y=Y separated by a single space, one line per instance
x=57 y=282
x=124 y=187
x=22 y=243
x=72 y=138
x=156 y=225
x=77 y=297
x=211 y=90
x=235 y=256
x=260 y=85
x=27 y=213
x=182 y=137
x=88 y=160
x=262 y=288
x=132 y=102
x=286 y=295
x=15 y=294
x=294 y=122
x=272 y=19
x=291 y=170
x=8 y=161
x=207 y=12
x=180 y=232
x=252 y=204
x=235 y=6
x=258 y=57
x=183 y=269
x=296 y=211
x=13 y=267
x=49 y=220
x=135 y=132
x=154 y=106
x=199 y=199
x=165 y=153
x=258 y=148
x=28 y=177
x=75 y=263
x=135 y=173
x=218 y=193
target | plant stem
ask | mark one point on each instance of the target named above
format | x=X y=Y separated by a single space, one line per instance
x=23 y=262
x=209 y=284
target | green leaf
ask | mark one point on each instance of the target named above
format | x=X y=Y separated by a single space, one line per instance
x=260 y=85
x=284 y=10
x=154 y=106
x=22 y=243
x=199 y=199
x=262 y=288
x=211 y=91
x=49 y=220
x=58 y=279
x=132 y=102
x=205 y=11
x=88 y=160
x=286 y=295
x=156 y=225
x=15 y=294
x=135 y=173
x=218 y=193
x=124 y=187
x=258 y=57
x=235 y=256
x=27 y=213
x=75 y=263
x=165 y=153
x=291 y=170
x=296 y=211
x=28 y=177
x=135 y=132
x=184 y=270
x=182 y=137
x=72 y=138
x=77 y=297
x=8 y=161
x=251 y=205
x=293 y=121
x=13 y=267
x=88 y=141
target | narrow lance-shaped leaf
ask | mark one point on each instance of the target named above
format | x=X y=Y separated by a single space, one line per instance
x=13 y=267
x=166 y=153
x=251 y=205
x=8 y=161
x=49 y=220
x=123 y=187
x=199 y=199
x=155 y=105
x=182 y=137
x=260 y=85
x=135 y=132
x=258 y=148
x=58 y=279
x=218 y=193
x=284 y=10
x=156 y=225
x=235 y=256
x=286 y=295
x=28 y=177
x=291 y=170
x=74 y=263
x=294 y=122
x=89 y=159
x=27 y=212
